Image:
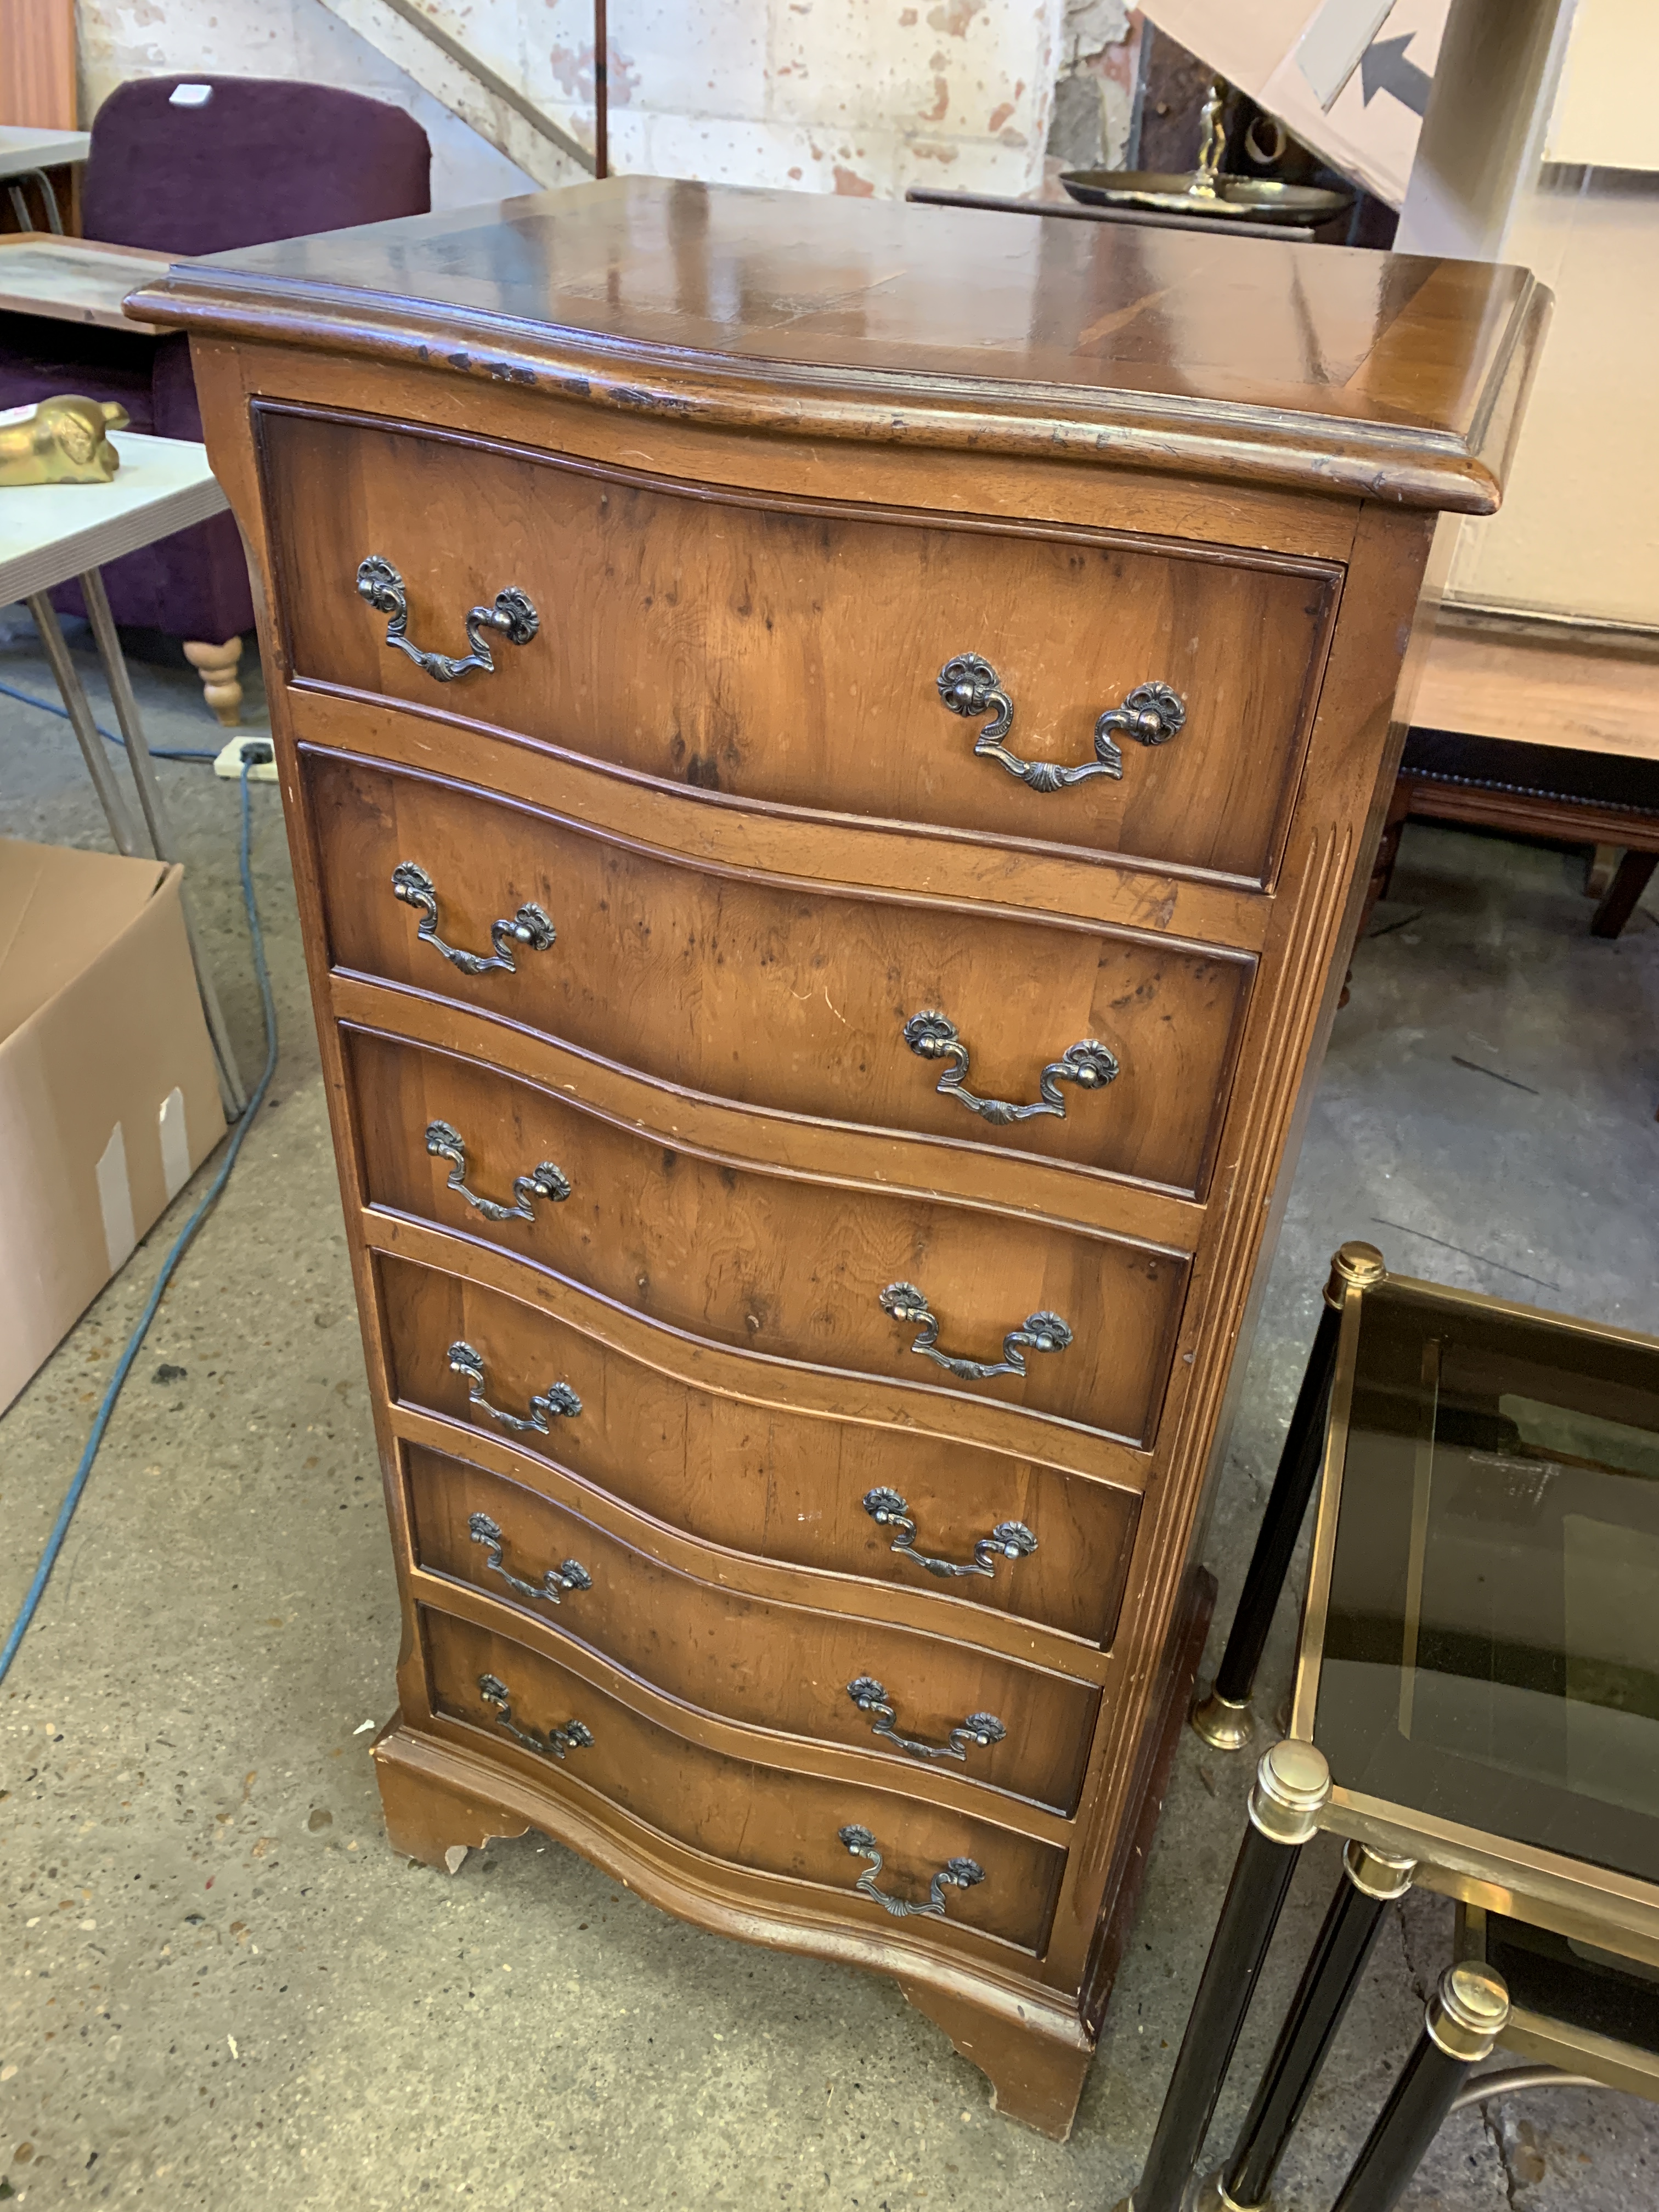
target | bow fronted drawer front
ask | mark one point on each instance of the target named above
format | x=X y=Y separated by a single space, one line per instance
x=1105 y=1049
x=768 y=1664
x=851 y=1497
x=1142 y=697
x=780 y=1268
x=748 y=1802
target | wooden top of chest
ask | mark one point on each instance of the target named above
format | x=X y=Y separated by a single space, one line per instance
x=1311 y=367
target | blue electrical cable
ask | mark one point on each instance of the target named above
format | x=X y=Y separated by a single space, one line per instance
x=101 y=1422
x=49 y=706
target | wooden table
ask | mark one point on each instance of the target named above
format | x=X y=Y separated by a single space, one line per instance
x=50 y=532
x=73 y=280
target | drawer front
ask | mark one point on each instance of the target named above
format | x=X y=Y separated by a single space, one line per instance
x=749 y=1814
x=798 y=1271
x=769 y=1482
x=795 y=655
x=795 y=1000
x=919 y=1700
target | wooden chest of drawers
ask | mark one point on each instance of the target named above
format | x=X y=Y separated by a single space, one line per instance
x=831 y=752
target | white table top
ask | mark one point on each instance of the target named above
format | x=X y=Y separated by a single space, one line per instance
x=50 y=532
x=22 y=148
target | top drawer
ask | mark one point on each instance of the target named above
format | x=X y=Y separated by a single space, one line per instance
x=794 y=652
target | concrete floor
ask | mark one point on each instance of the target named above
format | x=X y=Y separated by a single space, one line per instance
x=220 y=1989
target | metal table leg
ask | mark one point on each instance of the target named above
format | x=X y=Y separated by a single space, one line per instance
x=127 y=842
x=1464 y=2019
x=1370 y=1881
x=1291 y=1785
x=1223 y=1718
x=79 y=710
x=54 y=220
x=160 y=834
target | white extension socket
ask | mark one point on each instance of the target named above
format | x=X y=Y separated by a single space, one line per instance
x=229 y=763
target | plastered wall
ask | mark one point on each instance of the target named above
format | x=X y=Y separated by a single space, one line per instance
x=856 y=96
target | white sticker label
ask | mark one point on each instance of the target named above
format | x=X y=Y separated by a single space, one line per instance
x=115 y=1198
x=175 y=1144
x=190 y=95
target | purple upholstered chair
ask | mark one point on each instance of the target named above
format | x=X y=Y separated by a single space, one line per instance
x=261 y=158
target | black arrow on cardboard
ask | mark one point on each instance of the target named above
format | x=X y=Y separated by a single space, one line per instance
x=1383 y=68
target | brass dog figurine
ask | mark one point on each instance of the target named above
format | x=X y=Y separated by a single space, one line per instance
x=62 y=441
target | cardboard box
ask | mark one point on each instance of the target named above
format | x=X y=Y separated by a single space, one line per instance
x=109 y=1101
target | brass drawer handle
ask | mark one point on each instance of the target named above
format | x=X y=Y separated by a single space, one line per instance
x=933 y=1036
x=572 y=1576
x=1040 y=1331
x=511 y=616
x=546 y=1180
x=982 y=1728
x=1009 y=1539
x=557 y=1398
x=968 y=685
x=554 y=1744
x=955 y=1874
x=529 y=927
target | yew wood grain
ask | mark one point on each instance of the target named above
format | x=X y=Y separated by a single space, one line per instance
x=781 y=997
x=769 y=1481
x=792 y=656
x=784 y=1268
x=779 y=1822
x=769 y=1665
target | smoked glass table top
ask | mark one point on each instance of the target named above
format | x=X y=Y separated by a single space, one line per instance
x=1489 y=1652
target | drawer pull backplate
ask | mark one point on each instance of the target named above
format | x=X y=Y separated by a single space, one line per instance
x=982 y=1728
x=933 y=1036
x=529 y=926
x=573 y=1737
x=1009 y=1539
x=557 y=1398
x=512 y=617
x=955 y=1874
x=572 y=1576
x=968 y=685
x=1040 y=1332
x=445 y=1143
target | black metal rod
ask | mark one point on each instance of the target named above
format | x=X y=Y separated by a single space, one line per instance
x=1255 y=1897
x=1329 y=1981
x=1409 y=2124
x=1287 y=1508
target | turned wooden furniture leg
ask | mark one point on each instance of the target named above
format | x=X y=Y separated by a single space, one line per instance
x=1630 y=880
x=216 y=665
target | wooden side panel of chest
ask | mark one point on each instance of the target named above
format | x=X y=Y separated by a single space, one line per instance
x=680 y=1267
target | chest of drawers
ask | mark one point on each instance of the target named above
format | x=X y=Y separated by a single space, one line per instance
x=832 y=753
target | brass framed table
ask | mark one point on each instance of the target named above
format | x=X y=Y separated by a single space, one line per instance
x=1476 y=1711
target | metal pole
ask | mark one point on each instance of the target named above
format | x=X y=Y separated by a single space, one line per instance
x=1224 y=1717
x=1293 y=1785
x=1371 y=1879
x=1464 y=2019
x=155 y=821
x=601 y=93
x=79 y=710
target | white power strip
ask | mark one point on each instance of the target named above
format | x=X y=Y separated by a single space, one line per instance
x=229 y=763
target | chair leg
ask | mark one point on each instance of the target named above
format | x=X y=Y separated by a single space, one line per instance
x=1371 y=1879
x=1223 y=1718
x=1293 y=1785
x=1464 y=2019
x=1630 y=880
x=216 y=665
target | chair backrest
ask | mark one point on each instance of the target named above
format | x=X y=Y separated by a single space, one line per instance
x=259 y=158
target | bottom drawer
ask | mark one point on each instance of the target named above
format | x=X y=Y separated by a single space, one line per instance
x=762 y=1819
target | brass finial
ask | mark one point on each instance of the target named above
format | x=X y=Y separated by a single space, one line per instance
x=1355 y=1266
